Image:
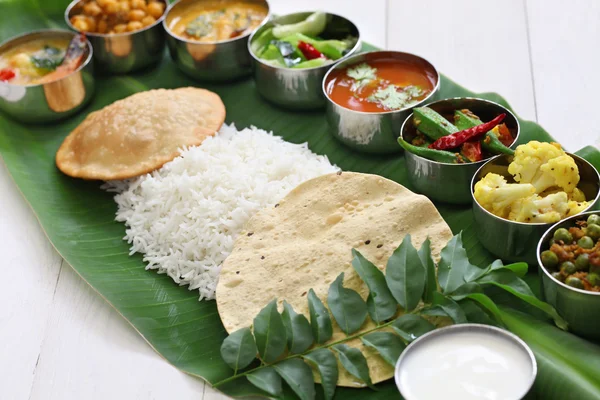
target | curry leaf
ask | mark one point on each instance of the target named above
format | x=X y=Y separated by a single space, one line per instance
x=354 y=362
x=454 y=268
x=381 y=304
x=266 y=379
x=475 y=313
x=519 y=268
x=269 y=333
x=239 y=349
x=466 y=289
x=429 y=265
x=444 y=305
x=320 y=321
x=298 y=375
x=405 y=275
x=326 y=364
x=412 y=326
x=508 y=280
x=347 y=307
x=299 y=334
x=388 y=345
x=488 y=304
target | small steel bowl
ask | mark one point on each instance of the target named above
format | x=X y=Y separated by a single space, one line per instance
x=47 y=102
x=518 y=241
x=121 y=53
x=461 y=329
x=372 y=132
x=210 y=61
x=298 y=89
x=580 y=308
x=450 y=183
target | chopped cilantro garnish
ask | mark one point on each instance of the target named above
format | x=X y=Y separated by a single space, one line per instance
x=362 y=71
x=393 y=97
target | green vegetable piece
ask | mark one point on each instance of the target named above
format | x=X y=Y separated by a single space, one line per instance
x=585 y=242
x=411 y=326
x=317 y=62
x=562 y=234
x=314 y=25
x=549 y=259
x=464 y=121
x=320 y=321
x=593 y=219
x=574 y=282
x=331 y=48
x=431 y=154
x=298 y=375
x=582 y=262
x=48 y=59
x=354 y=362
x=490 y=141
x=454 y=266
x=431 y=123
x=272 y=53
x=388 y=345
x=430 y=270
x=260 y=42
x=405 y=275
x=326 y=364
x=380 y=303
x=568 y=268
x=594 y=279
x=269 y=332
x=558 y=276
x=239 y=349
x=266 y=379
x=298 y=330
x=347 y=307
x=593 y=231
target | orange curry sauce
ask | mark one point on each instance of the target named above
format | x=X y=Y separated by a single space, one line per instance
x=390 y=71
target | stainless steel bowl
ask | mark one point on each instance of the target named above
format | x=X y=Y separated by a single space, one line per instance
x=580 y=308
x=298 y=89
x=518 y=241
x=121 y=53
x=47 y=102
x=372 y=132
x=461 y=329
x=451 y=183
x=209 y=61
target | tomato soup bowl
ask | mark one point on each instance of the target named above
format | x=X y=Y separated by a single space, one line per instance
x=580 y=308
x=373 y=132
x=444 y=182
x=210 y=61
x=518 y=241
x=299 y=89
x=51 y=101
x=121 y=53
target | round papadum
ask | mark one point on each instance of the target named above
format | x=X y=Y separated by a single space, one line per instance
x=306 y=240
x=140 y=133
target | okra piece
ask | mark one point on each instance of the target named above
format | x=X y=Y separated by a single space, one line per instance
x=490 y=141
x=432 y=124
x=431 y=154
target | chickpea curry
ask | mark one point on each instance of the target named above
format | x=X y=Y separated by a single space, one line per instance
x=116 y=16
x=216 y=21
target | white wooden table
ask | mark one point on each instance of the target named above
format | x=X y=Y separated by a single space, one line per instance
x=59 y=340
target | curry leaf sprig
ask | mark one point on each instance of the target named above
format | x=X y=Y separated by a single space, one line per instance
x=290 y=345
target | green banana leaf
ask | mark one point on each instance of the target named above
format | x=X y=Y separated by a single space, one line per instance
x=78 y=218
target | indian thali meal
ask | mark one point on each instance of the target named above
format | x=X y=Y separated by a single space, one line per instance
x=42 y=60
x=215 y=21
x=300 y=45
x=386 y=84
x=544 y=188
x=467 y=139
x=109 y=17
x=573 y=255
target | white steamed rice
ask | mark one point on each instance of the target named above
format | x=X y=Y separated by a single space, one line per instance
x=185 y=216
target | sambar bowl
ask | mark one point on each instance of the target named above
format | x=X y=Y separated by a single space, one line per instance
x=580 y=308
x=121 y=53
x=298 y=89
x=445 y=182
x=209 y=61
x=50 y=101
x=373 y=132
x=518 y=241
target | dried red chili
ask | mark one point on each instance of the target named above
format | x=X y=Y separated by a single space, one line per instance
x=6 y=74
x=456 y=139
x=309 y=51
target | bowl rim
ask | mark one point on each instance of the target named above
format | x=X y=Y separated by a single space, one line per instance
x=575 y=156
x=348 y=61
x=480 y=328
x=50 y=31
x=350 y=53
x=214 y=42
x=464 y=165
x=544 y=238
x=111 y=35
